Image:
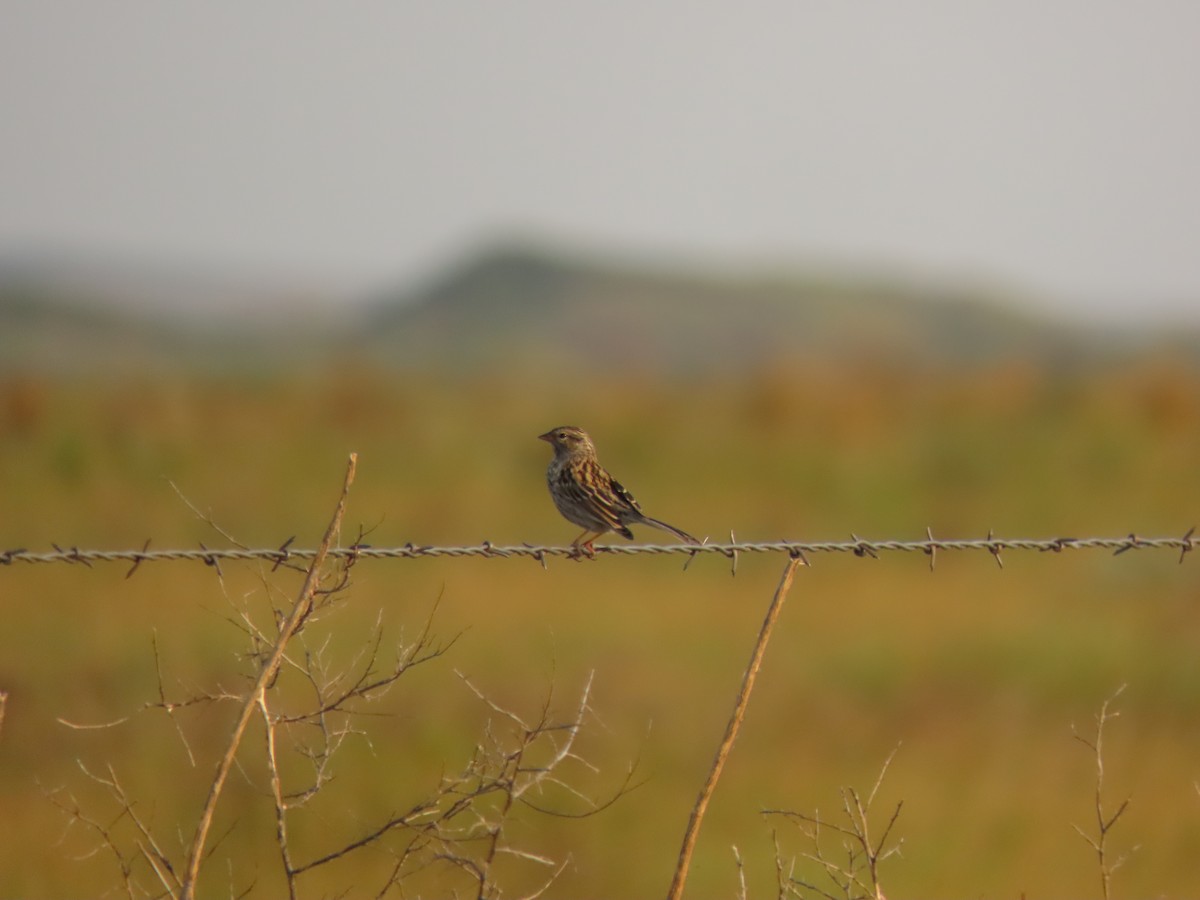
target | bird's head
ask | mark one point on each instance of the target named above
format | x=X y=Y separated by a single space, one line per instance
x=568 y=440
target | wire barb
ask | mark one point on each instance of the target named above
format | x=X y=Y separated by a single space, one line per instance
x=863 y=548
x=1134 y=540
x=995 y=547
x=931 y=547
x=282 y=553
x=72 y=555
x=211 y=559
x=1058 y=544
x=141 y=558
x=692 y=556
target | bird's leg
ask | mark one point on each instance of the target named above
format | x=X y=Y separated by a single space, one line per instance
x=582 y=546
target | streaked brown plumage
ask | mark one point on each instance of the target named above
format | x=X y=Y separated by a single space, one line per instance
x=588 y=496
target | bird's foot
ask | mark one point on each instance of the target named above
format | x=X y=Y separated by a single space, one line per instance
x=580 y=551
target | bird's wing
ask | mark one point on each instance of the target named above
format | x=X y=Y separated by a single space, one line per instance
x=627 y=500
x=591 y=495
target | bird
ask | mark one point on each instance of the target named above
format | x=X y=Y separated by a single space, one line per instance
x=588 y=496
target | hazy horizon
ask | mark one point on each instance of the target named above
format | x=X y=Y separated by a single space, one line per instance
x=1044 y=148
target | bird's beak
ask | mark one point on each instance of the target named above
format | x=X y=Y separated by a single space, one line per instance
x=548 y=437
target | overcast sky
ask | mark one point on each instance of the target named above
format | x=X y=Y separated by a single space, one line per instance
x=1048 y=145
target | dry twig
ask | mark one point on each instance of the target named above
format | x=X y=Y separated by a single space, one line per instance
x=857 y=877
x=731 y=729
x=1104 y=820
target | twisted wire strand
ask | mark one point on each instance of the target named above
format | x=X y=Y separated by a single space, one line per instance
x=860 y=547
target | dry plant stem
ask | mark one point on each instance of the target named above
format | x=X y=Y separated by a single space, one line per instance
x=1104 y=821
x=299 y=610
x=861 y=852
x=731 y=730
x=741 y=872
x=281 y=830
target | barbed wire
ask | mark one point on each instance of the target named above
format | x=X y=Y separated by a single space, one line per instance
x=857 y=546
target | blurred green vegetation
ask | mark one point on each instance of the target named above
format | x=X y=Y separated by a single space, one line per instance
x=976 y=673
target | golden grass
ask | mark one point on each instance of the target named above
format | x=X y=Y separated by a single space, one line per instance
x=976 y=673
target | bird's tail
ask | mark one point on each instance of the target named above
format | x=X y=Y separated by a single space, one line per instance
x=682 y=535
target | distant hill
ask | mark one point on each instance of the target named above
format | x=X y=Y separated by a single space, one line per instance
x=531 y=307
x=70 y=316
x=522 y=303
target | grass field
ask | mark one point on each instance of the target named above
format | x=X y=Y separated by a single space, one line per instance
x=973 y=674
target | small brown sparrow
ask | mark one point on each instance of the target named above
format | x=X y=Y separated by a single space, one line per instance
x=587 y=495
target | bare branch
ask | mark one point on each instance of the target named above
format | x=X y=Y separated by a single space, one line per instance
x=149 y=851
x=857 y=877
x=300 y=611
